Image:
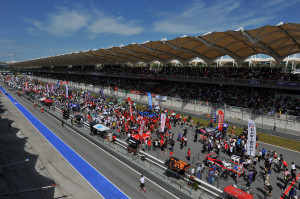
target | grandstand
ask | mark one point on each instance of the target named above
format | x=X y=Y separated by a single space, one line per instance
x=187 y=66
x=276 y=41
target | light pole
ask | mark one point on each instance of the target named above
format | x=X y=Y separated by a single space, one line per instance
x=13 y=164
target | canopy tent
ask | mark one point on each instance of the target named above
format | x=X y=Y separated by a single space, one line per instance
x=100 y=127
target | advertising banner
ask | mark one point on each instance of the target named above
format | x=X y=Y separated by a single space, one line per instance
x=130 y=107
x=142 y=126
x=101 y=91
x=251 y=142
x=163 y=118
x=52 y=88
x=150 y=100
x=161 y=98
x=221 y=120
x=67 y=91
x=47 y=89
x=215 y=114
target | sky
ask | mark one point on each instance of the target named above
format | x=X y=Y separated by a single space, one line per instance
x=32 y=29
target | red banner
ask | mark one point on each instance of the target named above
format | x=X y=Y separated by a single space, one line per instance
x=63 y=82
x=221 y=120
x=163 y=118
x=26 y=85
x=142 y=126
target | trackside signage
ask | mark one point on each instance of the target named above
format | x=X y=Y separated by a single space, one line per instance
x=251 y=142
x=221 y=120
x=163 y=118
x=142 y=126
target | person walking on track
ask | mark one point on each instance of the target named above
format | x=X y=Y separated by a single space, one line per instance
x=142 y=185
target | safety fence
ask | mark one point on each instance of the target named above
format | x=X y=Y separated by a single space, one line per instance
x=254 y=82
x=151 y=165
x=262 y=119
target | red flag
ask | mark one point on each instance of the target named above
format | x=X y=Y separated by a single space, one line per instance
x=221 y=120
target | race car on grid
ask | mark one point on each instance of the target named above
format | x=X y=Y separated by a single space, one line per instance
x=232 y=168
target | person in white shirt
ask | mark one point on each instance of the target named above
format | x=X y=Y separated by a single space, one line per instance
x=193 y=171
x=142 y=185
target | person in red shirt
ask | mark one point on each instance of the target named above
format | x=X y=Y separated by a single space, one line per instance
x=284 y=164
x=171 y=154
x=149 y=144
x=189 y=155
x=114 y=138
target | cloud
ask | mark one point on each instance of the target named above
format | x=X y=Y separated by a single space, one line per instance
x=114 y=25
x=66 y=21
x=201 y=16
x=62 y=23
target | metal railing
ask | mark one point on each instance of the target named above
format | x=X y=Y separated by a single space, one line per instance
x=236 y=115
x=153 y=165
x=294 y=85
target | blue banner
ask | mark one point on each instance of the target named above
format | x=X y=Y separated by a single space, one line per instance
x=89 y=94
x=150 y=100
x=58 y=84
x=67 y=91
x=101 y=91
x=215 y=115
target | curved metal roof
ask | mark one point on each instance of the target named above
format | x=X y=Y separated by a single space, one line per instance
x=277 y=41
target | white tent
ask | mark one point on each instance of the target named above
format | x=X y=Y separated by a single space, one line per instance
x=101 y=127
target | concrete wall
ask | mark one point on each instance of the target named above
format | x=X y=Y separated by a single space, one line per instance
x=198 y=108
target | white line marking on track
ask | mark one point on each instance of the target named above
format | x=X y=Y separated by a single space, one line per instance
x=119 y=160
x=280 y=147
x=72 y=150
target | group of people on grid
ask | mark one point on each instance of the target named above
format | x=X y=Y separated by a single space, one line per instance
x=120 y=119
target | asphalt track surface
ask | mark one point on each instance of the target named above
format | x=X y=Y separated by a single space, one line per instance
x=127 y=180
x=119 y=174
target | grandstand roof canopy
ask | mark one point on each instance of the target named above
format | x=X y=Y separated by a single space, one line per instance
x=276 y=41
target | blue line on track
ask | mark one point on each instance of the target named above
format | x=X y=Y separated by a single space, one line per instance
x=97 y=180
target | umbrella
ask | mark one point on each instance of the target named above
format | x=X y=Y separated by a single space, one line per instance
x=111 y=103
x=156 y=104
x=225 y=125
x=134 y=104
x=173 y=113
x=156 y=108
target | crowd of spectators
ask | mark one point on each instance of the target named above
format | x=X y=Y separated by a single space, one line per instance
x=245 y=72
x=263 y=100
